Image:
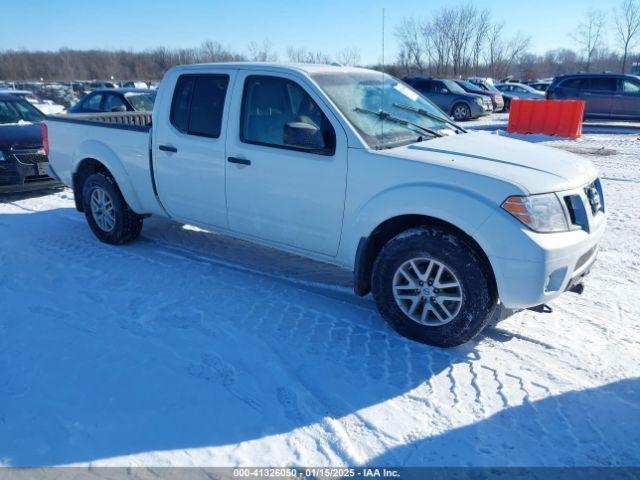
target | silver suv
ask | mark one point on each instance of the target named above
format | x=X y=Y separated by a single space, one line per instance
x=451 y=98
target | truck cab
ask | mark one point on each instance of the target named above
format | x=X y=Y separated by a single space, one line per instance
x=347 y=166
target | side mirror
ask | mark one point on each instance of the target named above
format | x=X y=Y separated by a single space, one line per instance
x=119 y=108
x=303 y=135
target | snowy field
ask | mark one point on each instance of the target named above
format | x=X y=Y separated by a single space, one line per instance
x=187 y=348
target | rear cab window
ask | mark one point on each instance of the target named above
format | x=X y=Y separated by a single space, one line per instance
x=198 y=104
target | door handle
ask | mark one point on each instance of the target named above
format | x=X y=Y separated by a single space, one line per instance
x=168 y=148
x=240 y=161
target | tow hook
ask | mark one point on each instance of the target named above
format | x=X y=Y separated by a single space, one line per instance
x=577 y=288
x=544 y=308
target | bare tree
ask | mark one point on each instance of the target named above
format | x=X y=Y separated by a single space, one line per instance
x=348 y=56
x=589 y=34
x=409 y=33
x=262 y=52
x=627 y=21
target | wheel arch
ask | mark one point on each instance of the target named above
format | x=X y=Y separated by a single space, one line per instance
x=94 y=157
x=461 y=102
x=369 y=247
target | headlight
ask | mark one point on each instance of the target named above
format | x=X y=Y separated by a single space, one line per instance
x=479 y=101
x=541 y=213
x=2 y=159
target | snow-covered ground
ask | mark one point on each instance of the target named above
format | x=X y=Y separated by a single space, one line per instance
x=187 y=348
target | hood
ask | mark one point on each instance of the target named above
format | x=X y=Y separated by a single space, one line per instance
x=15 y=135
x=533 y=168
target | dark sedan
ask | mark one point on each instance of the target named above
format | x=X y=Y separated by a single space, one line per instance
x=23 y=162
x=116 y=100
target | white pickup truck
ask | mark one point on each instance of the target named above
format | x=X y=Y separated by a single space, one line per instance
x=347 y=166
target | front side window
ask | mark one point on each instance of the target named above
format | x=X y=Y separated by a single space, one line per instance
x=630 y=87
x=141 y=102
x=198 y=104
x=271 y=105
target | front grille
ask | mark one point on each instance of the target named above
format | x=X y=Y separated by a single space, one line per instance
x=594 y=197
x=37 y=178
x=585 y=205
x=30 y=157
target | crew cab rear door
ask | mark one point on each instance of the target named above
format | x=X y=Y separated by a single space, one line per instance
x=275 y=191
x=189 y=146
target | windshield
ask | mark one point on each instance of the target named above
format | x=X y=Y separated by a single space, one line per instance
x=453 y=86
x=356 y=93
x=14 y=111
x=142 y=102
x=471 y=87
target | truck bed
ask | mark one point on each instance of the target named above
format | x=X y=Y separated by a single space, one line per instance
x=139 y=121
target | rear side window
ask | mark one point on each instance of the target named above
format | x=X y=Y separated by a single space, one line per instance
x=572 y=83
x=92 y=103
x=599 y=84
x=198 y=104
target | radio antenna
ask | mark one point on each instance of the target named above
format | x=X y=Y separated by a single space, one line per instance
x=383 y=69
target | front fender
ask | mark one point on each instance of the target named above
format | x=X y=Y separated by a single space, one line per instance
x=457 y=206
x=101 y=152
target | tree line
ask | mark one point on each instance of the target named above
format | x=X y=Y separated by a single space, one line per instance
x=70 y=64
x=465 y=40
x=453 y=42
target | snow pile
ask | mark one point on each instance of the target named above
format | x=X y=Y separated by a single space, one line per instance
x=187 y=348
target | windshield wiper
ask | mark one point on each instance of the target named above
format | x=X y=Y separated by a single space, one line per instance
x=382 y=115
x=425 y=113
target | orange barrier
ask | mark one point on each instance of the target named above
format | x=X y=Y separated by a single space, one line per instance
x=562 y=118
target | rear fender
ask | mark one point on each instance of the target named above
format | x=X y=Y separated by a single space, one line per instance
x=93 y=149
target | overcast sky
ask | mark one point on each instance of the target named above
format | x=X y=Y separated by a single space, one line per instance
x=325 y=25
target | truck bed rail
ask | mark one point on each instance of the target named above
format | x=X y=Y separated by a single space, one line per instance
x=138 y=121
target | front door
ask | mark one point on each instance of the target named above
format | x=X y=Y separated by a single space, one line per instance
x=189 y=149
x=278 y=190
x=626 y=101
x=598 y=94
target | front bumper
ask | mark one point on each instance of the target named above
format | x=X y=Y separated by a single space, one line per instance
x=25 y=172
x=534 y=268
x=480 y=111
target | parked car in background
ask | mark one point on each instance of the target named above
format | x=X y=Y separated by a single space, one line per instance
x=47 y=107
x=607 y=95
x=116 y=100
x=520 y=90
x=540 y=86
x=517 y=90
x=451 y=98
x=496 y=97
x=95 y=85
x=23 y=162
x=134 y=84
x=351 y=167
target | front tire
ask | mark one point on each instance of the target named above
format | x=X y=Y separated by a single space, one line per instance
x=107 y=212
x=432 y=286
x=461 y=112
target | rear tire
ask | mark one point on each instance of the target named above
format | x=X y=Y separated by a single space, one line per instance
x=107 y=212
x=448 y=322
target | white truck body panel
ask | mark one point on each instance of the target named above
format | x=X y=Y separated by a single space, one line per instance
x=322 y=206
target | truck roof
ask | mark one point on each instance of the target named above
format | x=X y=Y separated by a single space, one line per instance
x=308 y=68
